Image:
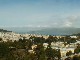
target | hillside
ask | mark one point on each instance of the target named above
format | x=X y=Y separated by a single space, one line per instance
x=45 y=31
x=2 y=30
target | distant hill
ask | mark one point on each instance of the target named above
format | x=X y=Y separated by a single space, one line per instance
x=21 y=30
x=44 y=31
x=1 y=30
x=57 y=31
x=78 y=34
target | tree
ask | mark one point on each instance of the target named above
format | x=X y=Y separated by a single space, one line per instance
x=0 y=39
x=76 y=57
x=4 y=49
x=77 y=49
x=50 y=53
x=49 y=39
x=58 y=53
x=69 y=53
x=39 y=52
x=68 y=58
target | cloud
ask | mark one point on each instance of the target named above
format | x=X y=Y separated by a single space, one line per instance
x=69 y=22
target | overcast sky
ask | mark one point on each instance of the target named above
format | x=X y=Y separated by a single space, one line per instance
x=40 y=13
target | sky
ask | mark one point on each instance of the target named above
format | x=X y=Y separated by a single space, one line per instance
x=40 y=13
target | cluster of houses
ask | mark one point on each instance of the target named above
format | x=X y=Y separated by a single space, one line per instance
x=55 y=45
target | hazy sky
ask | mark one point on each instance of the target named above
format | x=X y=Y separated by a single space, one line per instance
x=40 y=13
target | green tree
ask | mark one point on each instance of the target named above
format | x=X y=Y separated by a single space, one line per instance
x=40 y=52
x=4 y=49
x=69 y=53
x=77 y=49
x=50 y=52
x=76 y=57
